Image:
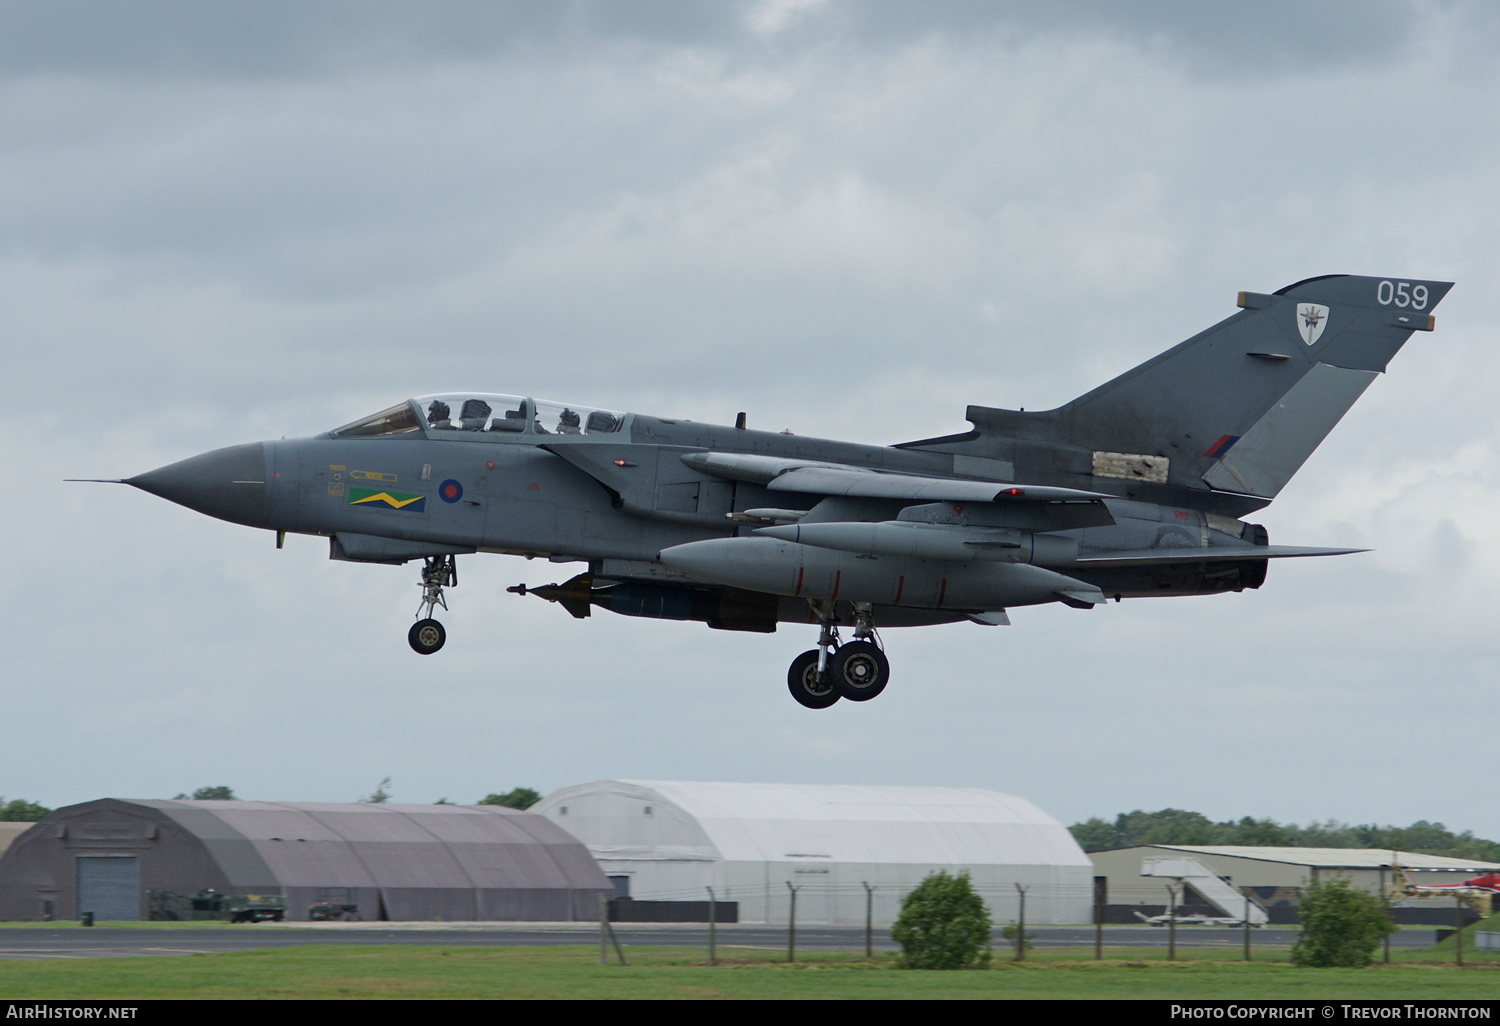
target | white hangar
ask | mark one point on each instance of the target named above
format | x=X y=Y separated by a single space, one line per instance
x=671 y=841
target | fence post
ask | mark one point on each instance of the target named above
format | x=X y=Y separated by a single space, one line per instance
x=1171 y=923
x=1386 y=891
x=1458 y=935
x=603 y=937
x=869 y=920
x=607 y=931
x=1100 y=900
x=713 y=907
x=1247 y=924
x=1021 y=927
x=791 y=926
x=1385 y=896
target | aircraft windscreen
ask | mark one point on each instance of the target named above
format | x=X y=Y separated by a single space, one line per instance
x=398 y=420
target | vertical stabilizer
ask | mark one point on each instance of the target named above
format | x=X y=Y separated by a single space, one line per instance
x=1241 y=406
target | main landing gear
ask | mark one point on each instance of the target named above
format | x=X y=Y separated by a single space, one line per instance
x=857 y=670
x=427 y=635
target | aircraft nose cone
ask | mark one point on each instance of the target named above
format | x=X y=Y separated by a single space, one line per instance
x=227 y=483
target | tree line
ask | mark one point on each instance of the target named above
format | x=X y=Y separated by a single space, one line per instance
x=20 y=810
x=1178 y=826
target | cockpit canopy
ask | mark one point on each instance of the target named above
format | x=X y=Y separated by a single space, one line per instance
x=483 y=416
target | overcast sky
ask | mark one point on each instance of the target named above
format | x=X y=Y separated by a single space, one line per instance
x=237 y=221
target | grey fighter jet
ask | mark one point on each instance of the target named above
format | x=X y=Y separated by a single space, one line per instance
x=1136 y=488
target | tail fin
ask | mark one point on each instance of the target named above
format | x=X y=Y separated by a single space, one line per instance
x=1239 y=407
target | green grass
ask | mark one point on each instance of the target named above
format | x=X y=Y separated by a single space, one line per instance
x=1445 y=950
x=662 y=972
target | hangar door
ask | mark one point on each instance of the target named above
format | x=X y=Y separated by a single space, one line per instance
x=110 y=886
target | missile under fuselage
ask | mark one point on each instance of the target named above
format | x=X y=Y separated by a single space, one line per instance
x=781 y=567
x=723 y=608
x=715 y=606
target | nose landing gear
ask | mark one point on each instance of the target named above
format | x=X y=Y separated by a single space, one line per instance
x=857 y=671
x=427 y=635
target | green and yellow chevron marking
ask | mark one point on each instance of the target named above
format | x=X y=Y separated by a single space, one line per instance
x=409 y=502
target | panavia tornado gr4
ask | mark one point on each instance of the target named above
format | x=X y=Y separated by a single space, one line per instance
x=1134 y=489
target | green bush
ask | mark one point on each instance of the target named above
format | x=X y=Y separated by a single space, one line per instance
x=1341 y=926
x=515 y=798
x=943 y=925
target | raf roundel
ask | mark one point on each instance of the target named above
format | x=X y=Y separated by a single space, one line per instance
x=450 y=491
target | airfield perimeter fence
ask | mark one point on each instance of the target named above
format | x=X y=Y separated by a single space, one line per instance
x=806 y=907
x=852 y=903
x=873 y=907
x=815 y=906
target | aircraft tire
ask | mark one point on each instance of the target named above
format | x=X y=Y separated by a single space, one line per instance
x=859 y=670
x=806 y=687
x=426 y=636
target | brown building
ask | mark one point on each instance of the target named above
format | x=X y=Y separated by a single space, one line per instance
x=395 y=862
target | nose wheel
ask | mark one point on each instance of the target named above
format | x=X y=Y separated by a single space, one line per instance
x=427 y=635
x=857 y=671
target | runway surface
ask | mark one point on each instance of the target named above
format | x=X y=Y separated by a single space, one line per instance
x=114 y=942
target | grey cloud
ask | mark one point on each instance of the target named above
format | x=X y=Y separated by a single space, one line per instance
x=1278 y=35
x=270 y=38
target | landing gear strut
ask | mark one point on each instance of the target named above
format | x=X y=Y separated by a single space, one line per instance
x=427 y=635
x=857 y=671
